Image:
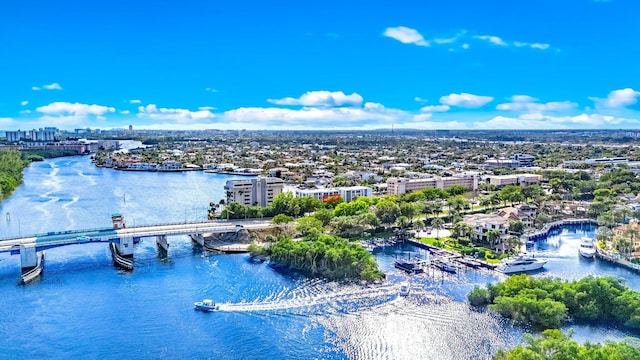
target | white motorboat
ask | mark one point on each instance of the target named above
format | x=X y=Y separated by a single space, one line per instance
x=520 y=264
x=587 y=247
x=206 y=305
x=405 y=289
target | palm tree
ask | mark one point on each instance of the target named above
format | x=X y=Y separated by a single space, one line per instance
x=493 y=236
x=437 y=224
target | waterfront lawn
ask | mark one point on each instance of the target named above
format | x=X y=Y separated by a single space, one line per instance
x=452 y=245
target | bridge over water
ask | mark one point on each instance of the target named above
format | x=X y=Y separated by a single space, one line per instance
x=121 y=236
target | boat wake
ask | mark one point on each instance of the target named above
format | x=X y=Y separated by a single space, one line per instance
x=325 y=297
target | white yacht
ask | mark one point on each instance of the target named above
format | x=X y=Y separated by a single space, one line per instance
x=520 y=264
x=405 y=289
x=587 y=247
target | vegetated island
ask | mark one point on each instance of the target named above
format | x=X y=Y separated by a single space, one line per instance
x=555 y=345
x=548 y=303
x=319 y=254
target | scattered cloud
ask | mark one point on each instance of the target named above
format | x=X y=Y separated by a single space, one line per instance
x=406 y=35
x=74 y=109
x=492 y=39
x=25 y=111
x=321 y=98
x=540 y=121
x=181 y=116
x=618 y=98
x=540 y=46
x=435 y=108
x=52 y=86
x=206 y=108
x=135 y=101
x=125 y=112
x=465 y=100
x=530 y=104
x=496 y=40
x=24 y=103
x=420 y=100
x=210 y=89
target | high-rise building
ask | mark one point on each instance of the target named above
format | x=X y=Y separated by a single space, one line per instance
x=259 y=191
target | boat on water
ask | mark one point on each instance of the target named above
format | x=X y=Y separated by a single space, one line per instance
x=445 y=266
x=206 y=305
x=587 y=247
x=405 y=289
x=521 y=263
x=408 y=266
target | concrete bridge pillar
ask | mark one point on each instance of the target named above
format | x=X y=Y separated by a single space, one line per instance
x=163 y=245
x=198 y=238
x=125 y=246
x=28 y=257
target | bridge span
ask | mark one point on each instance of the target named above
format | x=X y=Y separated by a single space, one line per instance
x=123 y=237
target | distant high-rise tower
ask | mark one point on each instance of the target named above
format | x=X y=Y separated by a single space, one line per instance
x=130 y=128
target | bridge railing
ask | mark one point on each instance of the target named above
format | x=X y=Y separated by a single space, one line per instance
x=53 y=233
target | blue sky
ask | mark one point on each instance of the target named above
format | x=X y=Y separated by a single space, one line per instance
x=530 y=64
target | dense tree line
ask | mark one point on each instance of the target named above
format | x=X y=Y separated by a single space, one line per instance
x=325 y=255
x=11 y=166
x=555 y=345
x=549 y=303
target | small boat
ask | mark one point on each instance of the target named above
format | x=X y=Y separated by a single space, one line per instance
x=520 y=264
x=206 y=305
x=405 y=289
x=445 y=266
x=587 y=248
x=408 y=266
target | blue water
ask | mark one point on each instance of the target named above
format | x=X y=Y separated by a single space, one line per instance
x=84 y=308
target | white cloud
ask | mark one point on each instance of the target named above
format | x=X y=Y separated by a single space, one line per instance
x=492 y=39
x=74 y=109
x=125 y=112
x=465 y=46
x=529 y=104
x=465 y=100
x=406 y=35
x=181 y=116
x=206 y=108
x=62 y=114
x=321 y=98
x=371 y=115
x=135 y=101
x=540 y=121
x=6 y=121
x=450 y=40
x=420 y=100
x=618 y=98
x=52 y=86
x=25 y=111
x=210 y=89
x=435 y=108
x=24 y=103
x=540 y=46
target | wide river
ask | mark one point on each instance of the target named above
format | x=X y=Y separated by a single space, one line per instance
x=83 y=307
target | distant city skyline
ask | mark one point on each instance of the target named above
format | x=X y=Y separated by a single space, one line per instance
x=252 y=65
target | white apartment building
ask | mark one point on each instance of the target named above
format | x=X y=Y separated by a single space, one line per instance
x=515 y=179
x=398 y=186
x=258 y=191
x=347 y=193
